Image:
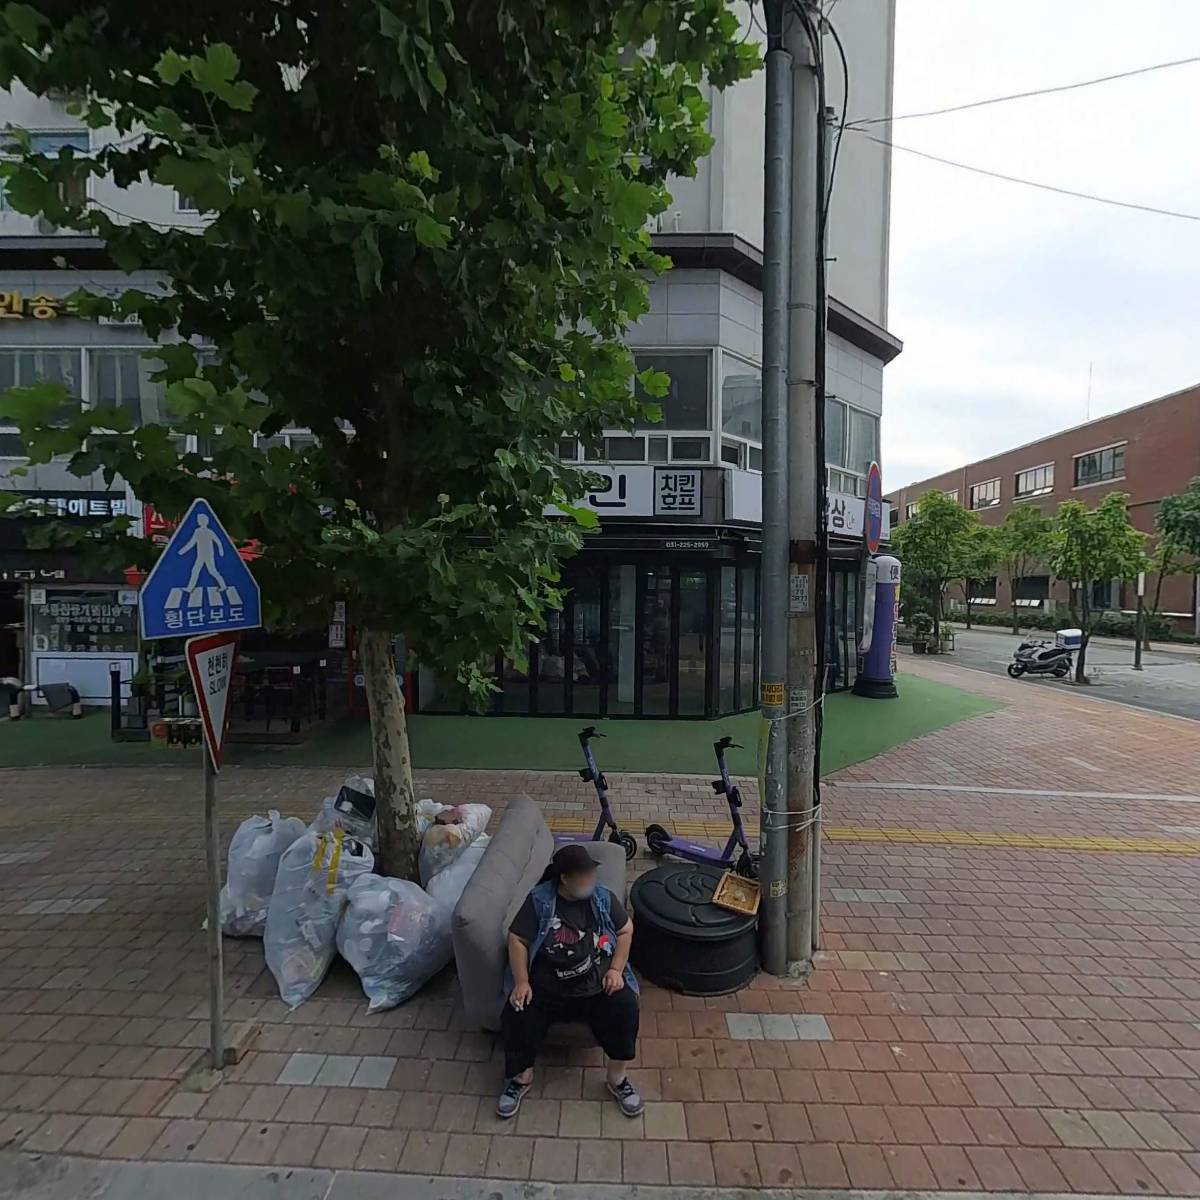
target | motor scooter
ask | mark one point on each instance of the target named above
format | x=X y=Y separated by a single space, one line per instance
x=1041 y=658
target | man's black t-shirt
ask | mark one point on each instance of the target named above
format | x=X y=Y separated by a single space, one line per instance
x=575 y=955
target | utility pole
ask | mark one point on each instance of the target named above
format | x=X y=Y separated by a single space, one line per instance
x=1139 y=627
x=803 y=517
x=777 y=188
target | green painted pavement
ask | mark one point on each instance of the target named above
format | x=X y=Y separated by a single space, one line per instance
x=855 y=729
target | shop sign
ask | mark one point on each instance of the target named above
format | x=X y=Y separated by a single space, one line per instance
x=873 y=510
x=80 y=505
x=676 y=492
x=14 y=306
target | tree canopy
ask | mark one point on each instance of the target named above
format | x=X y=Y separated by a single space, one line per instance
x=1087 y=545
x=930 y=546
x=1021 y=545
x=427 y=231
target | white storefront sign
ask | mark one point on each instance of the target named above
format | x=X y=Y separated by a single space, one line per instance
x=844 y=513
x=643 y=491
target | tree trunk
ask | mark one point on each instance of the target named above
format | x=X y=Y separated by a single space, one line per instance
x=967 y=601
x=1012 y=599
x=937 y=616
x=1080 y=662
x=395 y=798
x=1085 y=628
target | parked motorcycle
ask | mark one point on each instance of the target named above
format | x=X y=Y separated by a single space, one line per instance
x=1046 y=658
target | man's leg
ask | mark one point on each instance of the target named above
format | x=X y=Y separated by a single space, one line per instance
x=613 y=1021
x=522 y=1034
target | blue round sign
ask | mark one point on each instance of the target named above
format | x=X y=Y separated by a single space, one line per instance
x=873 y=515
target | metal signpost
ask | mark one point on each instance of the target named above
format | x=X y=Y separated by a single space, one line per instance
x=201 y=589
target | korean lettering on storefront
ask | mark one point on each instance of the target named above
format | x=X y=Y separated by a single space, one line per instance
x=84 y=621
x=98 y=505
x=14 y=306
x=677 y=493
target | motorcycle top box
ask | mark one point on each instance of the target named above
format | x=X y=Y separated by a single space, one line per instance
x=1068 y=639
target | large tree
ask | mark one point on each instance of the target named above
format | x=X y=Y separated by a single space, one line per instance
x=1021 y=545
x=1091 y=545
x=930 y=545
x=1177 y=539
x=428 y=232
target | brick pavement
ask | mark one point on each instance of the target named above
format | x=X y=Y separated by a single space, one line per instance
x=1003 y=1016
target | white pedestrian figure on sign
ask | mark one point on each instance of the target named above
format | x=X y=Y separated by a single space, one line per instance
x=204 y=542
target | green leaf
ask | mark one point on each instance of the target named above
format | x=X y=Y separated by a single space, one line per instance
x=566 y=372
x=431 y=233
x=27 y=23
x=171 y=67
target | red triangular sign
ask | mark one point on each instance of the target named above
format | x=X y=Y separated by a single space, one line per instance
x=210 y=662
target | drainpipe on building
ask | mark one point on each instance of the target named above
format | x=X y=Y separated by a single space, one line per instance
x=773 y=866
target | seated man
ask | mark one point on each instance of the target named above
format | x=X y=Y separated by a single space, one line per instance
x=568 y=950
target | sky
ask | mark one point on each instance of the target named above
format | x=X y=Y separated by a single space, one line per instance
x=1004 y=295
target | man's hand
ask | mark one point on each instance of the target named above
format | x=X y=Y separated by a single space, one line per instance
x=522 y=994
x=613 y=981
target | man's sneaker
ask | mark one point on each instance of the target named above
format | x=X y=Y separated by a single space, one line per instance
x=627 y=1098
x=510 y=1099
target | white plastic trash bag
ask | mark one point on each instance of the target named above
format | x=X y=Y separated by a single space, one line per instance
x=449 y=883
x=352 y=809
x=395 y=937
x=314 y=876
x=449 y=836
x=427 y=812
x=254 y=854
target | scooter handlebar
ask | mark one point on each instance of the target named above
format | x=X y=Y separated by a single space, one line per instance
x=726 y=743
x=586 y=735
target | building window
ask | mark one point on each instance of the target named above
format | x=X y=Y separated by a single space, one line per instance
x=910 y=509
x=952 y=494
x=986 y=494
x=184 y=203
x=121 y=379
x=686 y=404
x=51 y=143
x=1098 y=466
x=1037 y=481
x=894 y=517
x=624 y=449
x=20 y=368
x=851 y=445
x=982 y=590
x=741 y=411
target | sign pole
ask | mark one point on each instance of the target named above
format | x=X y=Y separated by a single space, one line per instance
x=212 y=863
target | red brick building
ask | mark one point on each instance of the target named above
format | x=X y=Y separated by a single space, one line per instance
x=1149 y=451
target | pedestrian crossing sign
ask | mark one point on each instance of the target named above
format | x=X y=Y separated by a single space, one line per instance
x=200 y=583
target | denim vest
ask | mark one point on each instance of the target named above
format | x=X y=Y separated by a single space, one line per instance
x=545 y=903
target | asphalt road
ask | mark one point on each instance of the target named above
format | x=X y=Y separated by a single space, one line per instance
x=1169 y=681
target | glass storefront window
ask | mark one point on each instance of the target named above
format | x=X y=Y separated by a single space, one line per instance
x=74 y=622
x=552 y=665
x=693 y=643
x=121 y=379
x=622 y=634
x=514 y=688
x=656 y=642
x=747 y=689
x=685 y=406
x=727 y=699
x=20 y=368
x=588 y=669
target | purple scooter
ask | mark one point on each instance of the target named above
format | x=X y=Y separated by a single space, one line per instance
x=593 y=775
x=737 y=853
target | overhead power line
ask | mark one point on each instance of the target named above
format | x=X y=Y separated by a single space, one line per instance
x=1047 y=91
x=1033 y=183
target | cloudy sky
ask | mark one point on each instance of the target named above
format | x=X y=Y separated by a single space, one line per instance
x=1003 y=295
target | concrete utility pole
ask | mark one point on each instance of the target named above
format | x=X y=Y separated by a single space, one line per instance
x=803 y=517
x=777 y=188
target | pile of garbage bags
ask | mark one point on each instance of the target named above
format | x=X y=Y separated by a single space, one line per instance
x=395 y=936
x=312 y=892
x=258 y=845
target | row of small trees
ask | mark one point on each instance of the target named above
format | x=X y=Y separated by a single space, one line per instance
x=945 y=544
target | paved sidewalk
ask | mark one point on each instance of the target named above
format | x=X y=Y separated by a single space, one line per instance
x=1010 y=987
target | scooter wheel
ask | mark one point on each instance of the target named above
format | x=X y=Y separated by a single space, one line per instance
x=627 y=841
x=1061 y=671
x=656 y=839
x=747 y=865
x=1015 y=670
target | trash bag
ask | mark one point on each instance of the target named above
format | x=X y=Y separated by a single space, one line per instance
x=394 y=936
x=449 y=883
x=449 y=836
x=254 y=854
x=352 y=809
x=427 y=812
x=300 y=940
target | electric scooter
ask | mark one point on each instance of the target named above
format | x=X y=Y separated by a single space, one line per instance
x=593 y=775
x=737 y=853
